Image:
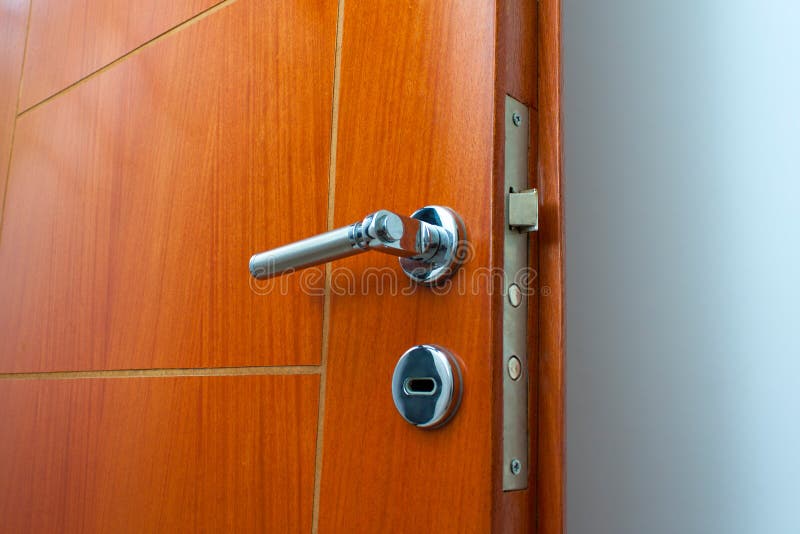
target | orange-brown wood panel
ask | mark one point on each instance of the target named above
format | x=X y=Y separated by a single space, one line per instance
x=416 y=123
x=177 y=454
x=72 y=38
x=516 y=54
x=550 y=412
x=13 y=20
x=136 y=199
x=517 y=77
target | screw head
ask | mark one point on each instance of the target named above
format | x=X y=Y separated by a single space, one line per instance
x=516 y=118
x=516 y=466
x=514 y=295
x=514 y=368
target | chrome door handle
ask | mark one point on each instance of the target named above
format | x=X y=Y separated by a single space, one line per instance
x=431 y=244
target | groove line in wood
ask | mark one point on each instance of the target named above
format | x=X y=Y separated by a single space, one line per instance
x=327 y=303
x=156 y=373
x=175 y=29
x=4 y=187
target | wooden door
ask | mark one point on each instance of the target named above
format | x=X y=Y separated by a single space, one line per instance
x=148 y=148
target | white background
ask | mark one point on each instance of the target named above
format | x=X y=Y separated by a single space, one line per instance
x=682 y=167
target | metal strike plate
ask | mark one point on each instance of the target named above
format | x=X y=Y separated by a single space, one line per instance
x=521 y=217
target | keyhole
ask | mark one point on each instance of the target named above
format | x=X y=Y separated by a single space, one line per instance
x=419 y=386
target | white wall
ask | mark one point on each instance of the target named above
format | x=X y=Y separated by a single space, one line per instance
x=682 y=163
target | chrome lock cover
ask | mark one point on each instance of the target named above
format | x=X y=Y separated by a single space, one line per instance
x=427 y=386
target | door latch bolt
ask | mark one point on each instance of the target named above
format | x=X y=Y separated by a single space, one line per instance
x=523 y=210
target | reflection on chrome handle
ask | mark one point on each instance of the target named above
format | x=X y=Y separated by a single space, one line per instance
x=428 y=243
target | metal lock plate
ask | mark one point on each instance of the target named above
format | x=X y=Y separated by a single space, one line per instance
x=427 y=386
x=522 y=212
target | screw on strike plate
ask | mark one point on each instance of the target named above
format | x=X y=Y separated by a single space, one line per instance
x=516 y=118
x=516 y=466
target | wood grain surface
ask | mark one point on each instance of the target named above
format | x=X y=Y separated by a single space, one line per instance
x=136 y=199
x=183 y=454
x=415 y=128
x=13 y=24
x=551 y=449
x=514 y=511
x=72 y=38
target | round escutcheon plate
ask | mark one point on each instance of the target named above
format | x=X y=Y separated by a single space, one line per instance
x=427 y=386
x=427 y=273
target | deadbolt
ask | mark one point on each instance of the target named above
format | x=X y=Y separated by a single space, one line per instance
x=427 y=386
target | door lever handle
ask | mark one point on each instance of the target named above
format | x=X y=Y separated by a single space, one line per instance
x=431 y=244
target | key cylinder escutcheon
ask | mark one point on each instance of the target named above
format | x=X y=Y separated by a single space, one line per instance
x=427 y=386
